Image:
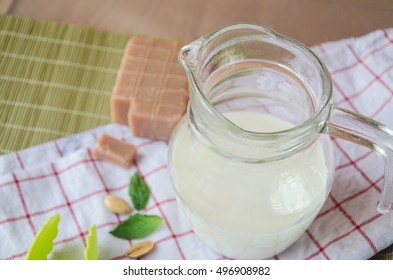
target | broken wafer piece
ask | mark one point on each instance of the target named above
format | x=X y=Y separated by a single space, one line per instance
x=115 y=151
x=151 y=90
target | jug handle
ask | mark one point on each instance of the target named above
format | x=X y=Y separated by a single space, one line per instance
x=369 y=133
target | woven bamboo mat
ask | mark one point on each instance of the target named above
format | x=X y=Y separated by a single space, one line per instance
x=56 y=80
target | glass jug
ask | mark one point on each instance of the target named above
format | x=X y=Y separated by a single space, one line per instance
x=251 y=162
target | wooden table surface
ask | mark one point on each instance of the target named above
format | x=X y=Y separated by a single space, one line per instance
x=310 y=21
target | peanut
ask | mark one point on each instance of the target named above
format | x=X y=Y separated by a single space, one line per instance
x=117 y=205
x=140 y=249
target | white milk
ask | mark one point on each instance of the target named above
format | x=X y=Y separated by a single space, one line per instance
x=242 y=210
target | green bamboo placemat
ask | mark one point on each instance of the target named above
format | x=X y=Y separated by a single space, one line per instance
x=55 y=79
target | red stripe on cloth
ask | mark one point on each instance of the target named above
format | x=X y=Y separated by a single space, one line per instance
x=81 y=234
x=169 y=200
x=58 y=206
x=364 y=58
x=9 y=183
x=385 y=33
x=14 y=219
x=357 y=227
x=372 y=219
x=162 y=214
x=19 y=160
x=364 y=175
x=168 y=225
x=22 y=199
x=378 y=77
x=356 y=160
x=382 y=106
x=92 y=160
x=349 y=198
x=147 y=143
x=346 y=98
x=155 y=170
x=27 y=179
x=58 y=149
x=72 y=238
x=104 y=184
x=314 y=240
x=32 y=214
x=94 y=136
x=366 y=87
x=74 y=165
x=48 y=210
x=16 y=256
x=177 y=236
x=46 y=175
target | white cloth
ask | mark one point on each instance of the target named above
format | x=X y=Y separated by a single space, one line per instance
x=63 y=177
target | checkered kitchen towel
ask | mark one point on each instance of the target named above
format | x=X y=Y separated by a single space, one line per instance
x=63 y=177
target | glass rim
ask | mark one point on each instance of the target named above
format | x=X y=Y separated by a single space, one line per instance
x=326 y=83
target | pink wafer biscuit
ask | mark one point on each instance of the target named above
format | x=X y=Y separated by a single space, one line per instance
x=114 y=150
x=151 y=90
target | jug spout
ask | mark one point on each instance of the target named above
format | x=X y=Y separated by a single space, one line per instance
x=188 y=56
x=242 y=63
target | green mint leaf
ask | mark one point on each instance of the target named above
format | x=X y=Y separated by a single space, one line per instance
x=137 y=226
x=138 y=191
